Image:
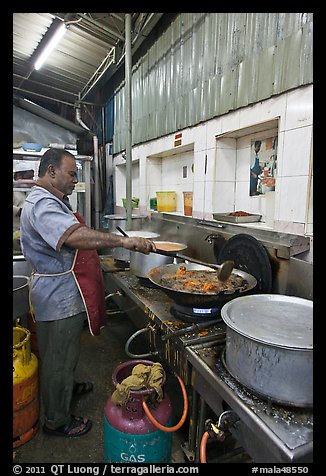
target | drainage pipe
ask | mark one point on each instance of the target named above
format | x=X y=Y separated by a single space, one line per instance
x=95 y=169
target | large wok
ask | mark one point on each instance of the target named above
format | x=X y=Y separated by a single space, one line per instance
x=199 y=300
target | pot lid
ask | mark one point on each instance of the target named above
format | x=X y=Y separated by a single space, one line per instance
x=249 y=255
x=275 y=319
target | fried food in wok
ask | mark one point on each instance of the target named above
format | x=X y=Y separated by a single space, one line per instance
x=200 y=281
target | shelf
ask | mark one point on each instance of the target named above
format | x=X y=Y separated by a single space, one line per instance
x=31 y=153
x=82 y=202
x=23 y=189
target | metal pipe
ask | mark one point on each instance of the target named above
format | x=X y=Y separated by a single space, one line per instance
x=193 y=423
x=100 y=26
x=79 y=119
x=191 y=328
x=105 y=181
x=88 y=201
x=201 y=426
x=88 y=217
x=131 y=338
x=128 y=121
x=97 y=183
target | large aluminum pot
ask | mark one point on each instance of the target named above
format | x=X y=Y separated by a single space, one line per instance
x=20 y=296
x=121 y=254
x=269 y=346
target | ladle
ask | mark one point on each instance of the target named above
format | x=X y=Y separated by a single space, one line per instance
x=122 y=231
x=224 y=270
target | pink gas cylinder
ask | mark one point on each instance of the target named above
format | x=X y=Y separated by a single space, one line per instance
x=129 y=435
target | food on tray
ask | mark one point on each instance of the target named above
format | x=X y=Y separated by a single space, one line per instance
x=200 y=281
x=240 y=213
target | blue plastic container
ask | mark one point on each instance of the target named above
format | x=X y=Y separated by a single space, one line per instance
x=32 y=146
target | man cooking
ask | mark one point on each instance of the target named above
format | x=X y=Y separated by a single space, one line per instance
x=67 y=285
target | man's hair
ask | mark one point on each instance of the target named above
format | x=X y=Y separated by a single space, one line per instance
x=52 y=157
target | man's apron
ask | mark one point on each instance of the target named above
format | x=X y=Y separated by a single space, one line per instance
x=87 y=272
x=88 y=275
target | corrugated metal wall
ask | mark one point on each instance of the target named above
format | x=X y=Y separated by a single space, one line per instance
x=206 y=64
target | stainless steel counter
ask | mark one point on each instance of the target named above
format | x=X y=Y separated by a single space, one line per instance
x=205 y=240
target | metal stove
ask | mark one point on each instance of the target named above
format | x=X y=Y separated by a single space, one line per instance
x=268 y=432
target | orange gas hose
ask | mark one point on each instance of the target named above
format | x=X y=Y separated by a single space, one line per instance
x=183 y=417
x=203 y=443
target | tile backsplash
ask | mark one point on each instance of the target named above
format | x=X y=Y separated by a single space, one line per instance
x=214 y=162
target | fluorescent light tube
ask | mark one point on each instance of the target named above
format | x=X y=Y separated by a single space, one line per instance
x=50 y=46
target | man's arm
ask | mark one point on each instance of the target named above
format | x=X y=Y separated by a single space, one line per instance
x=85 y=238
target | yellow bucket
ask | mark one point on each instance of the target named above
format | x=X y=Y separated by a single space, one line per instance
x=166 y=201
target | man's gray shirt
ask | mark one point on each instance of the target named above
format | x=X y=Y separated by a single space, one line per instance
x=44 y=220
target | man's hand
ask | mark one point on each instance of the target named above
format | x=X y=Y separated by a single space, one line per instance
x=137 y=243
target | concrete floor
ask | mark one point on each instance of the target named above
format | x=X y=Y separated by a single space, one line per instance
x=99 y=358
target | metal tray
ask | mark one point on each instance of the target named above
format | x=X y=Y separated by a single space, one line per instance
x=235 y=219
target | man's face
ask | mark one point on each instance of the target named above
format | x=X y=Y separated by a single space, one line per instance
x=65 y=177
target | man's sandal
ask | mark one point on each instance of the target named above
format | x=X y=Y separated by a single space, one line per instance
x=77 y=426
x=80 y=388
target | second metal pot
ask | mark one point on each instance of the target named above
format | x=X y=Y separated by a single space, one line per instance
x=121 y=254
x=141 y=264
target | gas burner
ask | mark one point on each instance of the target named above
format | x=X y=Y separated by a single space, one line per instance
x=146 y=282
x=193 y=314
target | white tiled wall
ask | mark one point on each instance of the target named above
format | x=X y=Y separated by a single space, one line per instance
x=169 y=173
x=221 y=165
x=120 y=182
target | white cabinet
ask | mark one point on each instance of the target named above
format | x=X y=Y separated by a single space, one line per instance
x=80 y=199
